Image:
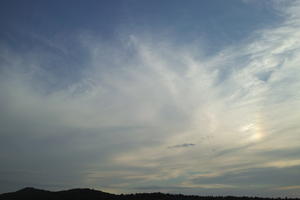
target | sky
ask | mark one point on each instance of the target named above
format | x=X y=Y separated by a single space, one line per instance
x=125 y=96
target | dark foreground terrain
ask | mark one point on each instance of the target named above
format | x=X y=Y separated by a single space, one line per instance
x=88 y=194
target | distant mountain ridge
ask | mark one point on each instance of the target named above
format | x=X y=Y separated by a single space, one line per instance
x=89 y=194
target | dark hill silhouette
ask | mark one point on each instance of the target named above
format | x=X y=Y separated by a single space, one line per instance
x=88 y=194
x=73 y=194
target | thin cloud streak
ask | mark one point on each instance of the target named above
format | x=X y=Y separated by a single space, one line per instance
x=185 y=145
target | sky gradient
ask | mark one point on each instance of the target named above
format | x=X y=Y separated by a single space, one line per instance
x=193 y=97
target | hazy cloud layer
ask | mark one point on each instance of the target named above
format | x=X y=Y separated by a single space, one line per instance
x=123 y=121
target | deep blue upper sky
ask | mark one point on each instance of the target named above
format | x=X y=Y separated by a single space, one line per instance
x=33 y=24
x=218 y=22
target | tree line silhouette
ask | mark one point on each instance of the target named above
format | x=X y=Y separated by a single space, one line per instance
x=88 y=194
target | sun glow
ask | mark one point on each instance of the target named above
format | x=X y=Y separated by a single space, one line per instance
x=253 y=132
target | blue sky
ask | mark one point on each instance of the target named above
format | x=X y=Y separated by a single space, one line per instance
x=194 y=97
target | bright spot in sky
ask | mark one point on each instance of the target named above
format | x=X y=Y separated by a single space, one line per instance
x=252 y=131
